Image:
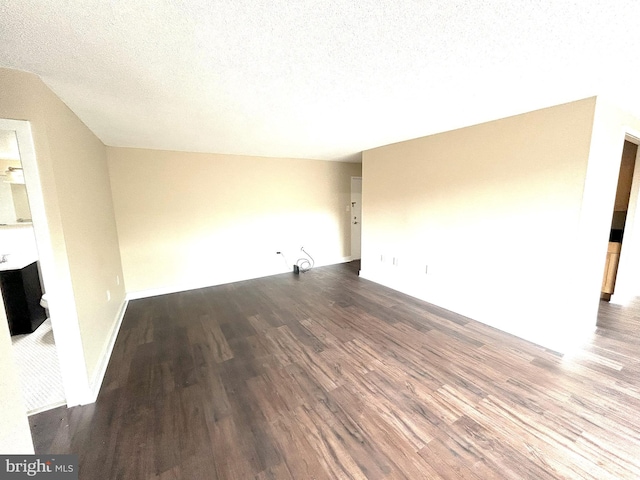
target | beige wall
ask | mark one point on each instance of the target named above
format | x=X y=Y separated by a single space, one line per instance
x=72 y=167
x=187 y=220
x=493 y=210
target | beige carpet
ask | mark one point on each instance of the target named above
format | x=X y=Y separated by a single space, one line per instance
x=39 y=370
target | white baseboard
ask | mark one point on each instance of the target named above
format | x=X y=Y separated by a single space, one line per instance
x=101 y=370
x=372 y=277
x=553 y=337
x=154 y=292
x=622 y=299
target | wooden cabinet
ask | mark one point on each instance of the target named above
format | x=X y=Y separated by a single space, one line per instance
x=21 y=292
x=611 y=267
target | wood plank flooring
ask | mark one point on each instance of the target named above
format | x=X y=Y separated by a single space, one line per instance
x=325 y=375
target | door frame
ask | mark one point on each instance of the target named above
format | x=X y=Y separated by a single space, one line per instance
x=626 y=277
x=66 y=332
x=351 y=217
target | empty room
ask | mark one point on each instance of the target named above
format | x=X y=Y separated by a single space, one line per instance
x=317 y=240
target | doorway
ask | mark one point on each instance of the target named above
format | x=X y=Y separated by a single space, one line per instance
x=33 y=345
x=356 y=217
x=619 y=217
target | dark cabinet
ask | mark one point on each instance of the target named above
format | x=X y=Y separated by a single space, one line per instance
x=21 y=292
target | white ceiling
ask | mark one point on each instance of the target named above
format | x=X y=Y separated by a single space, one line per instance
x=316 y=78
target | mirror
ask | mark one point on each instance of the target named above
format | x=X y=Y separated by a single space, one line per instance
x=14 y=204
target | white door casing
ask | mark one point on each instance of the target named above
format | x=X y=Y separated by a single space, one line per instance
x=57 y=282
x=356 y=217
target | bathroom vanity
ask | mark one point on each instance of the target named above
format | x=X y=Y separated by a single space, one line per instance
x=21 y=292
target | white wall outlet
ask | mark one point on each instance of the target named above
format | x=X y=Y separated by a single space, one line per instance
x=108 y=295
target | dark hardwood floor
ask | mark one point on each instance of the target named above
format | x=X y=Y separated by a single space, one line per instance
x=325 y=375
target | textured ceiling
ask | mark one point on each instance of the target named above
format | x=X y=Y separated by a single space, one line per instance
x=316 y=78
